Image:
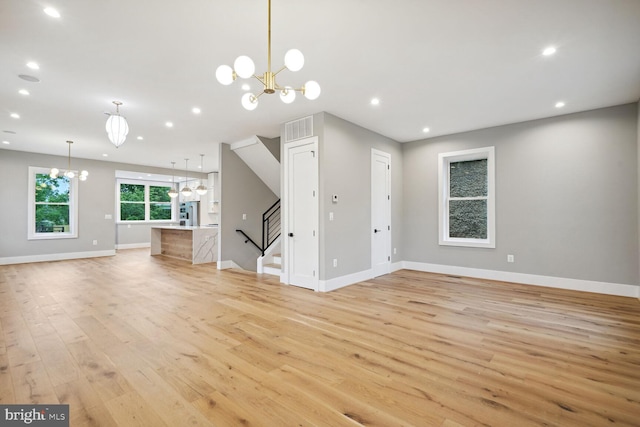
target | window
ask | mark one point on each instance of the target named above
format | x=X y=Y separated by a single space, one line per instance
x=53 y=206
x=466 y=182
x=141 y=201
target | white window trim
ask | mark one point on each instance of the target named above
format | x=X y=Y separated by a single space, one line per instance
x=147 y=202
x=31 y=208
x=444 y=160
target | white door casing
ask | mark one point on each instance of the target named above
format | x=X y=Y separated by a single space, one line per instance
x=380 y=212
x=301 y=240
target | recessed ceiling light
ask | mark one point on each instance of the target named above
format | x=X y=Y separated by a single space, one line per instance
x=15 y=115
x=196 y=110
x=6 y=142
x=52 y=12
x=169 y=124
x=105 y=155
x=559 y=104
x=375 y=101
x=23 y=92
x=425 y=130
x=140 y=138
x=33 y=65
x=548 y=51
x=29 y=78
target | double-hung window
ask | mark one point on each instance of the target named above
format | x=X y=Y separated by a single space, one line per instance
x=143 y=201
x=53 y=206
x=466 y=183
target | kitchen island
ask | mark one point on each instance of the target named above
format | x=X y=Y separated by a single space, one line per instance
x=196 y=244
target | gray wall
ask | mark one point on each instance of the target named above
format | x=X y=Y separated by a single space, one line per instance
x=273 y=145
x=241 y=192
x=345 y=170
x=97 y=197
x=566 y=197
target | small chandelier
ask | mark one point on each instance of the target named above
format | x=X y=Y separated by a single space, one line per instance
x=201 y=189
x=244 y=67
x=69 y=173
x=173 y=193
x=186 y=191
x=117 y=127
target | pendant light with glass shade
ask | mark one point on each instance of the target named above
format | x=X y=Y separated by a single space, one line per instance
x=186 y=190
x=201 y=189
x=117 y=127
x=69 y=173
x=173 y=193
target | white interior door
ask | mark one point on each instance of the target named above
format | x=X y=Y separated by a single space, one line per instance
x=380 y=212
x=301 y=231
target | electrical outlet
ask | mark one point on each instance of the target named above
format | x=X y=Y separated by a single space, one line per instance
x=510 y=258
x=395 y=251
x=330 y=216
x=95 y=242
x=335 y=262
x=108 y=216
x=244 y=217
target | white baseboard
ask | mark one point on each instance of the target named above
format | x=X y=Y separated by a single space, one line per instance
x=342 y=281
x=55 y=257
x=529 y=279
x=223 y=265
x=133 y=245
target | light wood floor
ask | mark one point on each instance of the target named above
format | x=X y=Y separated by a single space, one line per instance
x=134 y=340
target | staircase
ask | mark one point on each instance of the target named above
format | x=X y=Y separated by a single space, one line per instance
x=263 y=162
x=275 y=266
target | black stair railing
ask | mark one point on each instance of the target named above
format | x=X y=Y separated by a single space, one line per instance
x=270 y=225
x=271 y=220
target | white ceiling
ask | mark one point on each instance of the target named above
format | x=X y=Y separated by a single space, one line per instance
x=450 y=65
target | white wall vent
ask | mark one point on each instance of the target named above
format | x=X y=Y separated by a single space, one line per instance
x=298 y=129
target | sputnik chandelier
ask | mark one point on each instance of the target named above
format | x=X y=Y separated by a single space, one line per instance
x=244 y=67
x=69 y=173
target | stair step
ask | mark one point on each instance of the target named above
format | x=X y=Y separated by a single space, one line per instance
x=272 y=269
x=277 y=259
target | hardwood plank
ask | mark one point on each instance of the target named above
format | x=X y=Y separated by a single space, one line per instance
x=141 y=340
x=31 y=384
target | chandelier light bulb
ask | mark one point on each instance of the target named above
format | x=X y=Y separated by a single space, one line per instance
x=82 y=177
x=249 y=101
x=311 y=90
x=244 y=67
x=54 y=173
x=294 y=60
x=224 y=74
x=288 y=95
x=70 y=174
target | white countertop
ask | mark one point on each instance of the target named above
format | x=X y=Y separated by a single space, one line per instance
x=182 y=227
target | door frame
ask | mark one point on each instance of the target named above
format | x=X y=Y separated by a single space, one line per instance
x=286 y=197
x=387 y=267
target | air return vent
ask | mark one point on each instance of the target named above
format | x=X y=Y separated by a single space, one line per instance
x=298 y=129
